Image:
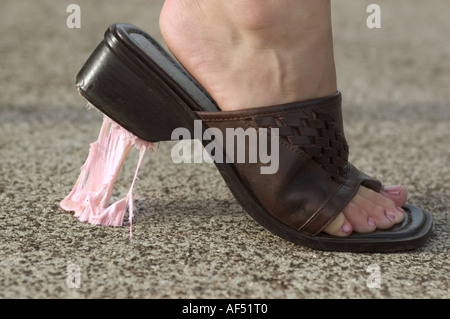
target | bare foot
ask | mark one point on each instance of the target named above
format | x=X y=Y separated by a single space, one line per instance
x=251 y=53
x=369 y=210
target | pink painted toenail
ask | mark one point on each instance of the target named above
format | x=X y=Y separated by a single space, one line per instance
x=347 y=227
x=393 y=189
x=371 y=222
x=401 y=210
x=390 y=216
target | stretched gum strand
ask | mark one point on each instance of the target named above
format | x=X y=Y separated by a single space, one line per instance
x=90 y=197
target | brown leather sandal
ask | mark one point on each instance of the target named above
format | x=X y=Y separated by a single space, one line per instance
x=135 y=82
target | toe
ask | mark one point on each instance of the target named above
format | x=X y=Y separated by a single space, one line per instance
x=339 y=227
x=382 y=209
x=397 y=193
x=359 y=218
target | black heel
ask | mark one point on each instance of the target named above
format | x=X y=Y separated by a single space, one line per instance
x=131 y=91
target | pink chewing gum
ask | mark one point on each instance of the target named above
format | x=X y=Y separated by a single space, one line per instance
x=90 y=197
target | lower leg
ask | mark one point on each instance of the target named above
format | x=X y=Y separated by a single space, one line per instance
x=255 y=52
x=251 y=53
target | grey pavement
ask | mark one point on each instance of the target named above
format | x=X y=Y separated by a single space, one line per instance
x=190 y=237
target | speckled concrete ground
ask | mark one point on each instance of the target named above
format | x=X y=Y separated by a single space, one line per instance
x=191 y=239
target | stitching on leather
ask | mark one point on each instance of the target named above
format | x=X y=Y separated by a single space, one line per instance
x=297 y=150
x=282 y=143
x=327 y=203
x=318 y=212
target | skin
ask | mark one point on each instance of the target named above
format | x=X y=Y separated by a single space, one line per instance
x=223 y=44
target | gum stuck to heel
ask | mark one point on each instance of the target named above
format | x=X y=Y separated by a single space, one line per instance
x=91 y=196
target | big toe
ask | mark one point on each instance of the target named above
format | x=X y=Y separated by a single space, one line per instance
x=397 y=193
x=385 y=211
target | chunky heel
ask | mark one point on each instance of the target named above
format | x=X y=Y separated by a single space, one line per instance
x=131 y=91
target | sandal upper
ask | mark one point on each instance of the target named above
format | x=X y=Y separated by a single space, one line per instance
x=314 y=180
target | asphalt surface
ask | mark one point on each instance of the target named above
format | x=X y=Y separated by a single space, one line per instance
x=190 y=237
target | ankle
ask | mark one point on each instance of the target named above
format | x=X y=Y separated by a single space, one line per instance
x=256 y=62
x=299 y=34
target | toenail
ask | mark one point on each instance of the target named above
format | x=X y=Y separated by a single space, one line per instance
x=371 y=222
x=390 y=216
x=392 y=188
x=347 y=228
x=401 y=210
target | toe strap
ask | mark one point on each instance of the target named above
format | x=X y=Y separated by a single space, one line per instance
x=366 y=180
x=344 y=192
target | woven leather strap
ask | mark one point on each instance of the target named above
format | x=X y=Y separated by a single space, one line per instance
x=315 y=133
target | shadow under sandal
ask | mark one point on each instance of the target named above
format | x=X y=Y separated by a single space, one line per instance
x=136 y=83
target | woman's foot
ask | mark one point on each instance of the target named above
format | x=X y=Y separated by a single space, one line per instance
x=251 y=53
